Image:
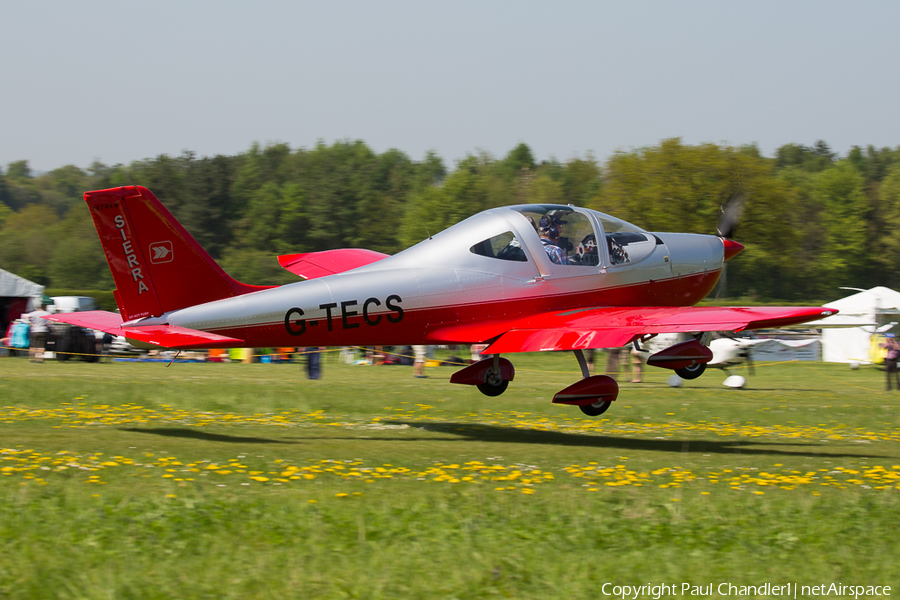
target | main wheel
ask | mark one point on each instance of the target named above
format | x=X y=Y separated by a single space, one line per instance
x=692 y=372
x=493 y=389
x=596 y=409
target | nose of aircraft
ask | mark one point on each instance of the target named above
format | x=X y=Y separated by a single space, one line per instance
x=732 y=248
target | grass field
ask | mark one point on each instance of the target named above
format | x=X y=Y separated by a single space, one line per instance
x=131 y=480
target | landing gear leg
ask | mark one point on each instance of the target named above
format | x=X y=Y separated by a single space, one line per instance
x=600 y=406
x=579 y=356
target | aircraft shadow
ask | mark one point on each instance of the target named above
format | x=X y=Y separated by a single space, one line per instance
x=761 y=389
x=494 y=433
x=202 y=435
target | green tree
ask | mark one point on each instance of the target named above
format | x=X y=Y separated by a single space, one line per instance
x=464 y=192
x=674 y=187
x=677 y=187
x=543 y=189
x=581 y=179
x=256 y=267
x=78 y=261
x=519 y=159
x=816 y=158
x=5 y=212
x=27 y=241
x=209 y=209
x=839 y=191
x=886 y=239
x=19 y=171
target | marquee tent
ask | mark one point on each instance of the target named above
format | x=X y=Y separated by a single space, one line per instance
x=845 y=336
x=17 y=296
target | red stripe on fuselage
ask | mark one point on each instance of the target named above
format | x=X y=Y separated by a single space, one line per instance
x=417 y=325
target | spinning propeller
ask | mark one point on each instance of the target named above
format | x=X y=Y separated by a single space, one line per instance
x=729 y=216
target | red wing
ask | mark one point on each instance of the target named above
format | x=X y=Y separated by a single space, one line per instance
x=164 y=336
x=612 y=327
x=311 y=265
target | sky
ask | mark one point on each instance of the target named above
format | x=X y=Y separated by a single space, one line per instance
x=117 y=82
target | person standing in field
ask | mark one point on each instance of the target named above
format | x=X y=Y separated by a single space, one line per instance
x=419 y=362
x=890 y=359
x=313 y=363
x=37 y=340
x=637 y=366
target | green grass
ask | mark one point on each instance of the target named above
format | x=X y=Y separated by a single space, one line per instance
x=248 y=481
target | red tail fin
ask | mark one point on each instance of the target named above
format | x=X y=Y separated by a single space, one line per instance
x=156 y=264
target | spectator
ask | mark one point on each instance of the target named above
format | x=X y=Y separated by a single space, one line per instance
x=37 y=341
x=419 y=362
x=890 y=359
x=313 y=363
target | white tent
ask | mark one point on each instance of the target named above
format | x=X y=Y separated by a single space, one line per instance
x=13 y=286
x=17 y=296
x=845 y=336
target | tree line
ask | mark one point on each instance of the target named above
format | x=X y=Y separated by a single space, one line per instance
x=812 y=221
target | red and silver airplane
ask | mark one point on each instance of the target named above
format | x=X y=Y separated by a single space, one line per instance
x=489 y=280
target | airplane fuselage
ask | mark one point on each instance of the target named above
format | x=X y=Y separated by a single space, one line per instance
x=433 y=291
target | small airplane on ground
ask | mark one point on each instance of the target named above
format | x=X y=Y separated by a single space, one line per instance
x=728 y=352
x=526 y=278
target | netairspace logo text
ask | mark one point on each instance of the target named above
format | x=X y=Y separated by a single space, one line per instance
x=788 y=590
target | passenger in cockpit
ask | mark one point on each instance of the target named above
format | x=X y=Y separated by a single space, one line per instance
x=549 y=234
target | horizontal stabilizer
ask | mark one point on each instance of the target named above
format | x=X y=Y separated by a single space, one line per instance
x=182 y=338
x=162 y=336
x=99 y=320
x=311 y=265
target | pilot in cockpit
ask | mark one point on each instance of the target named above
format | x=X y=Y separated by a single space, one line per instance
x=549 y=232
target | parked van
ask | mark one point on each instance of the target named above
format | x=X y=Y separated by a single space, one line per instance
x=67 y=304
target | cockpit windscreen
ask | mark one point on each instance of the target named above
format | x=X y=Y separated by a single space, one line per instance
x=568 y=236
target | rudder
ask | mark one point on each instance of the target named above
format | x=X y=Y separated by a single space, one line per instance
x=156 y=264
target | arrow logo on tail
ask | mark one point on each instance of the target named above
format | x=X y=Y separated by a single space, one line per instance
x=161 y=252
